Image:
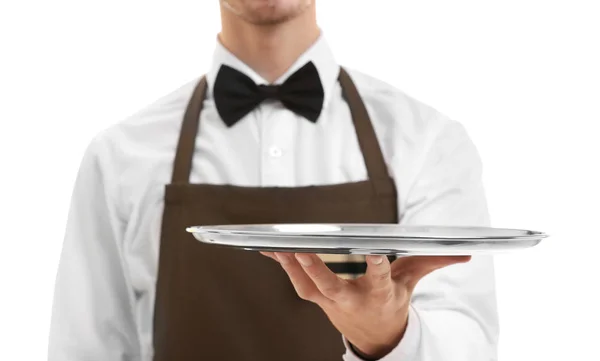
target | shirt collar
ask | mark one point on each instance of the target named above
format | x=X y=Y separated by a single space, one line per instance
x=319 y=53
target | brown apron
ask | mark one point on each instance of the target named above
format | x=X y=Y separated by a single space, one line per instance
x=216 y=303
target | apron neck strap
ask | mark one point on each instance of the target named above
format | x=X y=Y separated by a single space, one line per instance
x=367 y=139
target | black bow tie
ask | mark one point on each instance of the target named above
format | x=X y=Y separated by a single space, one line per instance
x=236 y=94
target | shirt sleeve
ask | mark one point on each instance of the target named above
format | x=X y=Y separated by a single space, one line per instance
x=92 y=316
x=453 y=315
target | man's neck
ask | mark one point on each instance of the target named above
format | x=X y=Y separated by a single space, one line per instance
x=269 y=50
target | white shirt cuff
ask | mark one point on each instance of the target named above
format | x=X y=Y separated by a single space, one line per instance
x=406 y=349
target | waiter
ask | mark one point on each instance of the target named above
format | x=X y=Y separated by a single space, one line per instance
x=276 y=132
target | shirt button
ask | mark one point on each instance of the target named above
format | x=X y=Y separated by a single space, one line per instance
x=275 y=152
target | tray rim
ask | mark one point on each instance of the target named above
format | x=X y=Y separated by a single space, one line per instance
x=233 y=230
x=367 y=246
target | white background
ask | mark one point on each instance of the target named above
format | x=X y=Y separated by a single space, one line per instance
x=522 y=75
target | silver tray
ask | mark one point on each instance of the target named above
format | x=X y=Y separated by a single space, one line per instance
x=383 y=239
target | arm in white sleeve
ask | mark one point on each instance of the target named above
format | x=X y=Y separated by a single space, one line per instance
x=453 y=314
x=92 y=317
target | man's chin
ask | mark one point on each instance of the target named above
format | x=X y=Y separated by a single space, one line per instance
x=267 y=13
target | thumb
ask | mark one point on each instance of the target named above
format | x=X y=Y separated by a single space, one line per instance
x=379 y=272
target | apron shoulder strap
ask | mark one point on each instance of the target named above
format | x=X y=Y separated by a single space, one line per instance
x=367 y=139
x=187 y=135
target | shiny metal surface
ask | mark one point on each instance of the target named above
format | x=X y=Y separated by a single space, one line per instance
x=368 y=238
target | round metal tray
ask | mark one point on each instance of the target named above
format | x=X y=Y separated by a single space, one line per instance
x=368 y=238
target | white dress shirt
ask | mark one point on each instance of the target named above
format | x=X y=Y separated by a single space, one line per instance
x=105 y=289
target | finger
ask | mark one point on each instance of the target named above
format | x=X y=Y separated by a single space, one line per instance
x=411 y=270
x=328 y=283
x=378 y=272
x=271 y=255
x=304 y=286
